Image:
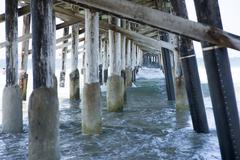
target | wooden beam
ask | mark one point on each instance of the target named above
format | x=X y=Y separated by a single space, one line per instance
x=130 y=34
x=162 y=20
x=21 y=11
x=139 y=38
x=29 y=36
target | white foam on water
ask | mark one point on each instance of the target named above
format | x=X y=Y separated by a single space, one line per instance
x=149 y=73
x=104 y=88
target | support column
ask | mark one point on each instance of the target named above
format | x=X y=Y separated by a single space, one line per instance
x=53 y=57
x=180 y=86
x=74 y=75
x=140 y=57
x=168 y=71
x=101 y=58
x=64 y=58
x=220 y=84
x=82 y=71
x=105 y=61
x=123 y=58
x=128 y=59
x=43 y=103
x=133 y=57
x=11 y=99
x=129 y=63
x=91 y=111
x=23 y=79
x=115 y=83
x=191 y=76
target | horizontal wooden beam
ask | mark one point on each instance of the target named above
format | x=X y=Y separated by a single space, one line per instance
x=162 y=20
x=21 y=11
x=138 y=38
x=29 y=36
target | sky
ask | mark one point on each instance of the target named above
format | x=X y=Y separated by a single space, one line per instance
x=230 y=11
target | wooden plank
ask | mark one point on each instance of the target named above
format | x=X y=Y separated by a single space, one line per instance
x=162 y=20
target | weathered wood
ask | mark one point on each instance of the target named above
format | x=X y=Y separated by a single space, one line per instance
x=91 y=111
x=41 y=42
x=161 y=20
x=43 y=102
x=53 y=56
x=141 y=39
x=105 y=59
x=123 y=46
x=29 y=36
x=139 y=57
x=114 y=48
x=129 y=48
x=70 y=43
x=64 y=51
x=220 y=84
x=138 y=38
x=12 y=47
x=20 y=12
x=64 y=57
x=92 y=46
x=66 y=24
x=75 y=42
x=23 y=79
x=191 y=76
x=25 y=44
x=133 y=55
x=74 y=75
x=115 y=83
x=168 y=71
x=11 y=97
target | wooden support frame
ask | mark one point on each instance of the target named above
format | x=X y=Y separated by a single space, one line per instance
x=162 y=20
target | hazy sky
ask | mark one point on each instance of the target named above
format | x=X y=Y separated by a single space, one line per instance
x=230 y=12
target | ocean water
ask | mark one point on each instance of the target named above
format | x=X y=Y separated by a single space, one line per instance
x=149 y=128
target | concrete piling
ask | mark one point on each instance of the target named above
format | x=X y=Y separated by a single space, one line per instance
x=12 y=99
x=12 y=110
x=43 y=103
x=74 y=85
x=43 y=124
x=91 y=111
x=115 y=83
